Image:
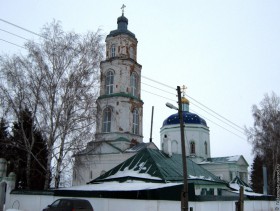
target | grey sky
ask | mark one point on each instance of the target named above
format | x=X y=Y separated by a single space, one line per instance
x=225 y=51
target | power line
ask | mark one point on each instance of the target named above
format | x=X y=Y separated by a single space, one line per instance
x=14 y=34
x=22 y=28
x=221 y=126
x=158 y=95
x=241 y=131
x=200 y=115
x=13 y=43
x=158 y=82
x=226 y=119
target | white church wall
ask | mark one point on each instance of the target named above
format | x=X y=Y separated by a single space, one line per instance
x=38 y=202
x=93 y=166
x=193 y=133
x=221 y=170
x=227 y=171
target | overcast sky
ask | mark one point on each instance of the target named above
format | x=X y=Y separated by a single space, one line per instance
x=225 y=51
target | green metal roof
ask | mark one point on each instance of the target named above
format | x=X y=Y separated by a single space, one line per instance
x=153 y=165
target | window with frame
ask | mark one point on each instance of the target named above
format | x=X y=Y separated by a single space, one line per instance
x=192 y=147
x=230 y=175
x=113 y=50
x=135 y=122
x=205 y=147
x=133 y=84
x=131 y=52
x=174 y=146
x=106 y=120
x=109 y=82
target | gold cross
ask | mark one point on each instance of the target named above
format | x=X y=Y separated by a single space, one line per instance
x=123 y=6
x=184 y=88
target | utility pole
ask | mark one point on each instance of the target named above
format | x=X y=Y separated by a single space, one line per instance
x=184 y=194
x=239 y=205
x=152 y=120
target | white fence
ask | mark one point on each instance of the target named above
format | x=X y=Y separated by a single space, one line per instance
x=38 y=202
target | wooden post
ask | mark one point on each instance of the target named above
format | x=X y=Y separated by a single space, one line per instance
x=184 y=194
x=152 y=120
x=241 y=198
x=239 y=205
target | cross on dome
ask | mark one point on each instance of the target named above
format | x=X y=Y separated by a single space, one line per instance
x=123 y=6
x=184 y=88
x=184 y=100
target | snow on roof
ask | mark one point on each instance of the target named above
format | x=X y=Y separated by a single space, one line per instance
x=218 y=160
x=236 y=187
x=250 y=193
x=133 y=172
x=125 y=186
x=237 y=182
x=153 y=165
x=233 y=158
x=200 y=177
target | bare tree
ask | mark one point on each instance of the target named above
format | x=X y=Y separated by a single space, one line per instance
x=58 y=82
x=265 y=135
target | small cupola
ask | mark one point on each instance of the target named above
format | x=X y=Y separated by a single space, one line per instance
x=185 y=104
x=122 y=27
x=122 y=23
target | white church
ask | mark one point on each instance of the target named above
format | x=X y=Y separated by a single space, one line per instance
x=119 y=128
x=118 y=171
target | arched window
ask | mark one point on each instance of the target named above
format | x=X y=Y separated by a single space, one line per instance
x=135 y=122
x=131 y=52
x=192 y=147
x=133 y=84
x=205 y=147
x=109 y=82
x=113 y=50
x=106 y=120
x=174 y=146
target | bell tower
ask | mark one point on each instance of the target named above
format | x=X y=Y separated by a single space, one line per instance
x=119 y=106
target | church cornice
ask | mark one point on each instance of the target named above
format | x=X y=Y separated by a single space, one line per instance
x=186 y=126
x=121 y=58
x=117 y=32
x=120 y=94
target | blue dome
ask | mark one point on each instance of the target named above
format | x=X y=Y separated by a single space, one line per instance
x=188 y=117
